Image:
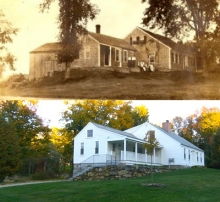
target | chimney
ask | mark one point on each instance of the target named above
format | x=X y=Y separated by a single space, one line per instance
x=98 y=29
x=166 y=126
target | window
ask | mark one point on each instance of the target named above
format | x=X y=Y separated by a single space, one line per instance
x=175 y=57
x=201 y=157
x=117 y=55
x=89 y=133
x=87 y=52
x=113 y=147
x=197 y=156
x=151 y=58
x=125 y=56
x=82 y=149
x=96 y=147
x=189 y=154
x=145 y=39
x=130 y=40
x=184 y=153
x=138 y=40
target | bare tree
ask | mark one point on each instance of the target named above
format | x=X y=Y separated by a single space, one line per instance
x=151 y=143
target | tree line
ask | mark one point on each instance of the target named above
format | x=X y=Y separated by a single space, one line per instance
x=29 y=147
x=202 y=128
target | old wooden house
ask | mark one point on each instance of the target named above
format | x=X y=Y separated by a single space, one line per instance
x=100 y=50
x=161 y=51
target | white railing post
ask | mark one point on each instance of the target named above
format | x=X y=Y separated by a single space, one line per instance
x=124 y=149
x=136 y=151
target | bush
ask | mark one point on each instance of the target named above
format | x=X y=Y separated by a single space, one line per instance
x=43 y=176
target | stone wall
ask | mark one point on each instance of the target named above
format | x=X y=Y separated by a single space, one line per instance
x=117 y=173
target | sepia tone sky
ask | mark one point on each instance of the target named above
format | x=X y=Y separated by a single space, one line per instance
x=117 y=18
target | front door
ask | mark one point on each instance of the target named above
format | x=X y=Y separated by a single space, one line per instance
x=106 y=56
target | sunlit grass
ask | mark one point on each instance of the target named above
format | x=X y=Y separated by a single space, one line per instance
x=180 y=185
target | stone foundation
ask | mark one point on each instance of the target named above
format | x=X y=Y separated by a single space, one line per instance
x=117 y=173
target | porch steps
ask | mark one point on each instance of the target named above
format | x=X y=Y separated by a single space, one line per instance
x=77 y=173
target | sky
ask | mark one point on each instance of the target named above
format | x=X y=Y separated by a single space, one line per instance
x=159 y=111
x=117 y=18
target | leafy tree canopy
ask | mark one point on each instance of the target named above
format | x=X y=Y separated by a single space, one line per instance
x=6 y=31
x=72 y=20
x=182 y=17
x=113 y=113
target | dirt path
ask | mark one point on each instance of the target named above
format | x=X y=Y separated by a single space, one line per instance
x=26 y=183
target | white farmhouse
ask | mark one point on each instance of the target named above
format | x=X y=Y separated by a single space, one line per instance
x=97 y=144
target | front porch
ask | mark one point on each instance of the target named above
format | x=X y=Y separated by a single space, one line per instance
x=135 y=153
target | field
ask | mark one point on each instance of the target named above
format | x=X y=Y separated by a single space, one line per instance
x=196 y=184
x=104 y=84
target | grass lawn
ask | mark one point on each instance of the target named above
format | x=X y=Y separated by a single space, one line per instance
x=180 y=185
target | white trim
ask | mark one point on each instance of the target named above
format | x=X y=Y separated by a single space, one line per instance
x=170 y=59
x=99 y=57
x=110 y=56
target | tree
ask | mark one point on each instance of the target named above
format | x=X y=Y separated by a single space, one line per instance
x=215 y=160
x=6 y=31
x=9 y=149
x=113 y=113
x=200 y=129
x=150 y=144
x=72 y=20
x=181 y=17
x=63 y=142
x=28 y=127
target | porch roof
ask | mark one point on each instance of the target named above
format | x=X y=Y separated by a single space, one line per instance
x=111 y=41
x=128 y=135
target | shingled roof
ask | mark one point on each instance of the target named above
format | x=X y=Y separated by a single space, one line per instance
x=48 y=47
x=129 y=135
x=170 y=43
x=179 y=139
x=101 y=38
x=111 y=41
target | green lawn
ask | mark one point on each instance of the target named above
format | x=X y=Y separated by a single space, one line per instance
x=180 y=185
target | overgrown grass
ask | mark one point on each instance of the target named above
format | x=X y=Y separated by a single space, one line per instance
x=180 y=185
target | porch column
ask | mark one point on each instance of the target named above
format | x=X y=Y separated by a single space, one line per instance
x=99 y=58
x=110 y=56
x=136 y=151
x=124 y=149
x=154 y=155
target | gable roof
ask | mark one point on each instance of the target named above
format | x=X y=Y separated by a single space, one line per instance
x=170 y=43
x=129 y=135
x=100 y=38
x=112 y=41
x=178 y=138
x=48 y=47
x=171 y=135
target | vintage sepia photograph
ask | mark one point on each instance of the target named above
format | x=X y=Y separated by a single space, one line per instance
x=143 y=50
x=109 y=100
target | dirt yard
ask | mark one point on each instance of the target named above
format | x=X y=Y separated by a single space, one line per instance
x=104 y=84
